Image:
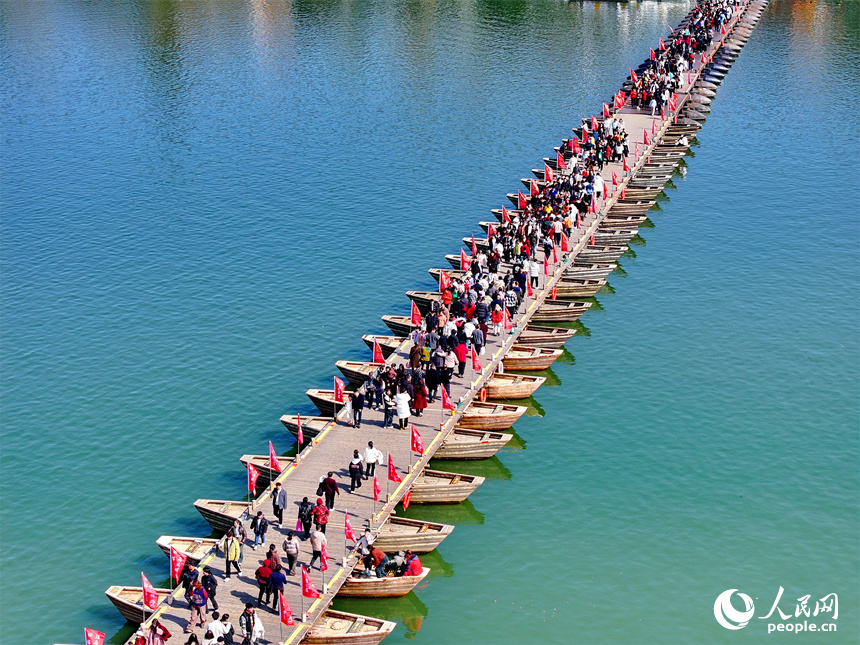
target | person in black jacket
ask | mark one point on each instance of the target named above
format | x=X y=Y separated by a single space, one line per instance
x=259 y=525
x=305 y=517
x=210 y=584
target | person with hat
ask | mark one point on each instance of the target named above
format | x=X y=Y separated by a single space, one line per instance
x=262 y=574
x=320 y=513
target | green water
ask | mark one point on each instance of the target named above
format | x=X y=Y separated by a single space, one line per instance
x=205 y=204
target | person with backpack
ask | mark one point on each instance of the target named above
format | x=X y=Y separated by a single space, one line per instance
x=198 y=605
x=306 y=517
x=259 y=525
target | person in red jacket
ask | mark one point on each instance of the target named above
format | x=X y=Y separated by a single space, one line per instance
x=412 y=565
x=462 y=353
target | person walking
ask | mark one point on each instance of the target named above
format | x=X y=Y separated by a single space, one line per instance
x=279 y=502
x=330 y=489
x=355 y=471
x=259 y=525
x=188 y=577
x=248 y=625
x=431 y=379
x=372 y=456
x=198 y=605
x=402 y=401
x=232 y=551
x=272 y=556
x=358 y=402
x=238 y=529
x=306 y=517
x=318 y=539
x=462 y=353
x=388 y=404
x=292 y=546
x=262 y=575
x=320 y=514
x=210 y=584
x=419 y=400
x=276 y=585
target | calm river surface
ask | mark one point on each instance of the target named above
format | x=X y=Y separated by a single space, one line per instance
x=205 y=204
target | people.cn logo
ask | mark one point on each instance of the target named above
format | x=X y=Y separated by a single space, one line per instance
x=727 y=615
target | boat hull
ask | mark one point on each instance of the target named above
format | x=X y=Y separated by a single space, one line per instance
x=220 y=514
x=476 y=417
x=380 y=587
x=538 y=359
x=342 y=628
x=465 y=444
x=512 y=386
x=403 y=534
x=551 y=337
x=437 y=487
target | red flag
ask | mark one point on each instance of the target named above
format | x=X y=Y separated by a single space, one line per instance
x=645 y=139
x=476 y=362
x=689 y=78
x=662 y=44
x=653 y=55
x=554 y=254
x=377 y=354
x=406 y=499
x=92 y=637
x=416 y=315
x=445 y=279
x=565 y=247
x=534 y=188
x=339 y=387
x=654 y=127
x=253 y=474
x=392 y=470
x=521 y=200
x=507 y=319
x=299 y=435
x=624 y=194
x=577 y=218
x=547 y=173
x=614 y=179
x=474 y=247
x=417 y=443
x=592 y=239
x=574 y=146
x=595 y=126
x=447 y=403
x=376 y=489
x=584 y=134
x=308 y=589
x=606 y=110
x=553 y=293
x=286 y=612
x=545 y=267
x=177 y=563
x=704 y=58
x=274 y=464
x=633 y=76
x=723 y=28
x=505 y=217
x=150 y=595
x=559 y=161
x=662 y=113
x=347 y=528
x=491 y=232
x=636 y=150
x=464 y=260
x=529 y=294
x=324 y=558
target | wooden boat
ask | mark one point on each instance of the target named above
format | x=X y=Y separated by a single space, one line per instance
x=381 y=587
x=311 y=426
x=422 y=299
x=648 y=192
x=222 y=513
x=706 y=85
x=530 y=359
x=693 y=114
x=453 y=260
x=515 y=198
x=356 y=372
x=418 y=536
x=491 y=416
x=616 y=237
x=572 y=288
x=480 y=242
x=601 y=253
x=440 y=487
x=627 y=207
x=388 y=344
x=261 y=463
x=472 y=444
x=454 y=274
x=129 y=601
x=566 y=311
x=534 y=336
x=342 y=628
x=589 y=271
x=324 y=400
x=512 y=386
x=615 y=222
x=699 y=99
x=194 y=549
x=700 y=107
x=511 y=213
x=400 y=325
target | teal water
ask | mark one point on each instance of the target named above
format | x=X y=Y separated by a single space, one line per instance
x=205 y=204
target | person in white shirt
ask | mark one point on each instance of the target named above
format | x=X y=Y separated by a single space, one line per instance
x=372 y=456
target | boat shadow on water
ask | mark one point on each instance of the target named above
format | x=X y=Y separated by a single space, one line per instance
x=463 y=513
x=408 y=612
x=491 y=468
